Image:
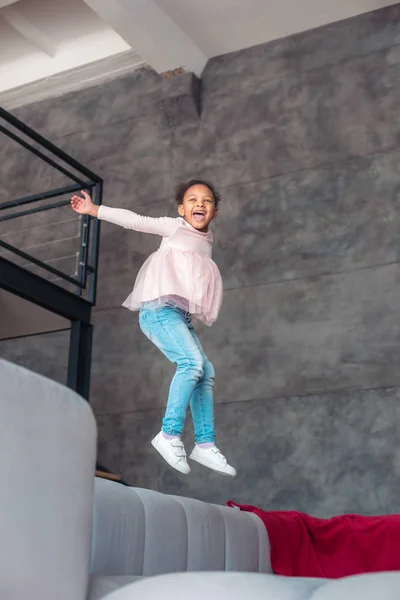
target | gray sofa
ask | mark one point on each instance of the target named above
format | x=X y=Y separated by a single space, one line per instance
x=66 y=536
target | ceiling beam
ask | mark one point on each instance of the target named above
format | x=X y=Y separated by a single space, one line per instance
x=28 y=30
x=152 y=33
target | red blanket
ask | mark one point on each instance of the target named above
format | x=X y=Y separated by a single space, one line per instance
x=304 y=546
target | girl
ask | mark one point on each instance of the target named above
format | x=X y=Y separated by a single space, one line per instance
x=177 y=283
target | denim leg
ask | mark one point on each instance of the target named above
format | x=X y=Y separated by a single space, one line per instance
x=168 y=329
x=202 y=402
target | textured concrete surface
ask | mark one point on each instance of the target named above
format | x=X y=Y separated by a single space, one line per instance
x=326 y=454
x=303 y=137
x=45 y=354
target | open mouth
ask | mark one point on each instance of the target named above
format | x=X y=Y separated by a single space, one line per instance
x=198 y=215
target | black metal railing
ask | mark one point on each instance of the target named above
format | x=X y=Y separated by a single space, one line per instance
x=76 y=177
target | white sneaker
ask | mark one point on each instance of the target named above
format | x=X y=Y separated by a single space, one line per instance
x=213 y=459
x=172 y=451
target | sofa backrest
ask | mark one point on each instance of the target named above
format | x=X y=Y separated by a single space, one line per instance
x=142 y=532
x=47 y=450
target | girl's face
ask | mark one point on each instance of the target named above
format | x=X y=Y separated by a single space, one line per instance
x=198 y=207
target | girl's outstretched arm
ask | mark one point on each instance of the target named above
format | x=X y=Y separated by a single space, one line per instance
x=124 y=218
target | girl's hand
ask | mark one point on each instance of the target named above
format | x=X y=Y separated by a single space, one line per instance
x=84 y=206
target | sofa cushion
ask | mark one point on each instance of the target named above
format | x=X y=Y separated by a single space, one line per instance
x=143 y=532
x=219 y=586
x=101 y=586
x=48 y=450
x=373 y=586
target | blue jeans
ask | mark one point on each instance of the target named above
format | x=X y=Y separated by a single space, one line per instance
x=171 y=330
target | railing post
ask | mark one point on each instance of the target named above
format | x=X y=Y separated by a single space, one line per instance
x=94 y=251
x=80 y=357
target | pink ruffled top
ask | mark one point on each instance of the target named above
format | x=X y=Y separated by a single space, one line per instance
x=181 y=272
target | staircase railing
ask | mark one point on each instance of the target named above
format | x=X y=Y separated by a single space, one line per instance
x=75 y=177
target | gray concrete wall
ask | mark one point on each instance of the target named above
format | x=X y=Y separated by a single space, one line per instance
x=302 y=136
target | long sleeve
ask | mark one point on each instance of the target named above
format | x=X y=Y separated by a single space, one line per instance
x=164 y=226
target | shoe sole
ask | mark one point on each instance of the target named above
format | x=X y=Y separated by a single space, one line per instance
x=204 y=464
x=154 y=444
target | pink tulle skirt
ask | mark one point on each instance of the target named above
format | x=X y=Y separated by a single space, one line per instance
x=186 y=279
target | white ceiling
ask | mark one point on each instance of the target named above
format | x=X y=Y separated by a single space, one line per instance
x=39 y=38
x=222 y=26
x=86 y=39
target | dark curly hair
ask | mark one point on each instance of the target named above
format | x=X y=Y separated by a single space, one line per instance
x=182 y=188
